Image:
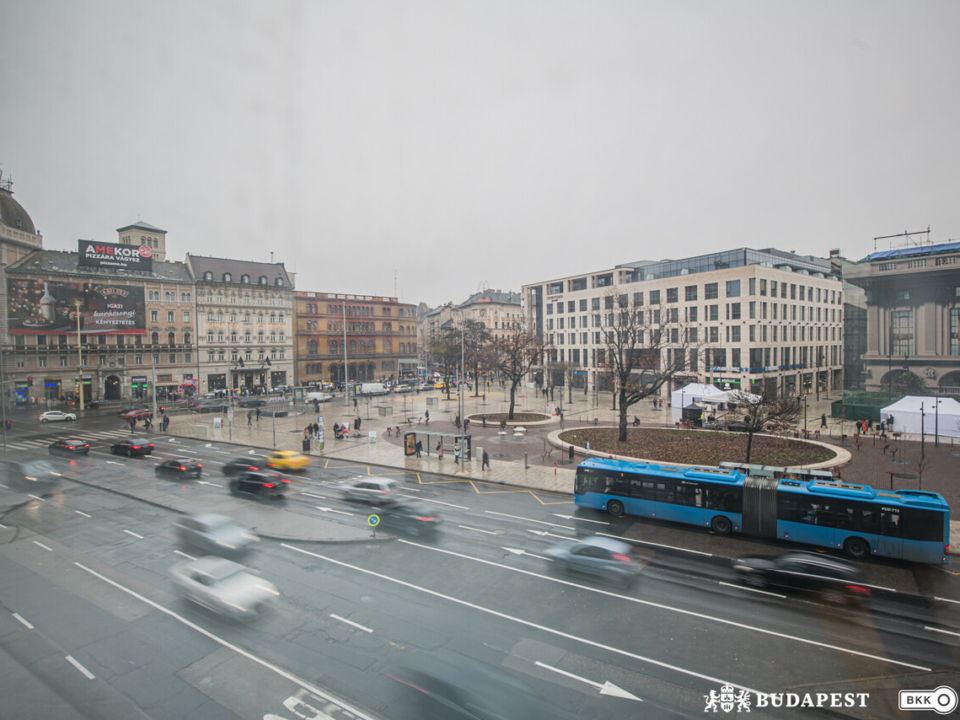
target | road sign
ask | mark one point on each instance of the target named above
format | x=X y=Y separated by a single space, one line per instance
x=230 y=414
x=373 y=520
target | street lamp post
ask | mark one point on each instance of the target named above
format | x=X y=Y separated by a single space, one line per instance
x=922 y=433
x=77 y=304
x=936 y=425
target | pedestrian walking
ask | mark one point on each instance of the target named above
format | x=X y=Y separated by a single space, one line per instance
x=456 y=455
x=258 y=416
x=427 y=416
x=250 y=418
x=484 y=417
x=354 y=403
x=486 y=461
x=823 y=420
x=133 y=425
x=440 y=449
x=316 y=430
x=419 y=447
x=571 y=453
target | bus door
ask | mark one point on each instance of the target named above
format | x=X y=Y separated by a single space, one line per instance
x=890 y=540
x=644 y=495
x=760 y=506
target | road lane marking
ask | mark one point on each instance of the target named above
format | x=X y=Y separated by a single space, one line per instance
x=659 y=606
x=515 y=551
x=204 y=482
x=184 y=450
x=947 y=600
x=236 y=648
x=130 y=532
x=43 y=546
x=3 y=526
x=221 y=452
x=538 y=522
x=338 y=512
x=188 y=557
x=112 y=462
x=544 y=533
x=467 y=527
x=17 y=616
x=527 y=623
x=82 y=513
x=81 y=668
x=660 y=545
x=945 y=632
x=607 y=688
x=438 y=502
x=755 y=590
x=580 y=519
x=36 y=497
x=4 y=486
x=315 y=495
x=350 y=622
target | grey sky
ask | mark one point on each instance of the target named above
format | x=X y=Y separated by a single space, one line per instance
x=461 y=142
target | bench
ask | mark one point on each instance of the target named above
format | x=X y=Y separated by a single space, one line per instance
x=546 y=454
x=884 y=448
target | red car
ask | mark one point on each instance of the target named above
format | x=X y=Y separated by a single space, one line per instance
x=137 y=415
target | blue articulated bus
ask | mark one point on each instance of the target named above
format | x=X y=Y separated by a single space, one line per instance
x=907 y=524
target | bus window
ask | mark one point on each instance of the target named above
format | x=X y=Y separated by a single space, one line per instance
x=890 y=524
x=689 y=494
x=724 y=499
x=923 y=525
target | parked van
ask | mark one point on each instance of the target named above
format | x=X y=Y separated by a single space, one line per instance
x=373 y=389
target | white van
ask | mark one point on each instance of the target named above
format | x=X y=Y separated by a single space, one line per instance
x=373 y=389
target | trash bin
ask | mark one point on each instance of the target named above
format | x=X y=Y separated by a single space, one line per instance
x=306 y=444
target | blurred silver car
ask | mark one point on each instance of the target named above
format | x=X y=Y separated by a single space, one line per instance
x=215 y=534
x=602 y=557
x=29 y=474
x=225 y=587
x=372 y=490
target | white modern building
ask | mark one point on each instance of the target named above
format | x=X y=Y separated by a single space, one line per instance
x=760 y=320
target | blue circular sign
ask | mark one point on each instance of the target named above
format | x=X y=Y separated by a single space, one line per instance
x=373 y=520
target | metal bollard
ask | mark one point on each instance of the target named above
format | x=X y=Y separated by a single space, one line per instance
x=526 y=465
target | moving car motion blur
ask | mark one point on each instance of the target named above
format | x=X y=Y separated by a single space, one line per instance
x=832 y=580
x=411 y=517
x=180 y=468
x=224 y=587
x=602 y=557
x=371 y=490
x=131 y=448
x=69 y=448
x=260 y=484
x=28 y=473
x=215 y=534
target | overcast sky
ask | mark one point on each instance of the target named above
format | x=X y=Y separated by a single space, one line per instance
x=441 y=144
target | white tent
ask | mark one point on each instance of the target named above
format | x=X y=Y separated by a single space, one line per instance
x=688 y=395
x=941 y=415
x=732 y=397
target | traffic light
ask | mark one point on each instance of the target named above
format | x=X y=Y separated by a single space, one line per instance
x=29 y=382
x=161 y=408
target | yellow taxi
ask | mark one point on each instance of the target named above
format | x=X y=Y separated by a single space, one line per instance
x=287 y=460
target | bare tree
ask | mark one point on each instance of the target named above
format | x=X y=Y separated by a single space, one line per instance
x=475 y=341
x=754 y=412
x=646 y=347
x=445 y=351
x=515 y=353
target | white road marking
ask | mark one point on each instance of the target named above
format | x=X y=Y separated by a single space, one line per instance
x=80 y=667
x=538 y=522
x=188 y=557
x=524 y=552
x=36 y=497
x=607 y=688
x=947 y=600
x=350 y=622
x=43 y=546
x=661 y=545
x=130 y=532
x=580 y=519
x=467 y=527
x=3 y=526
x=527 y=623
x=945 y=632
x=17 y=616
x=111 y=462
x=438 y=502
x=4 y=486
x=82 y=513
x=756 y=590
x=314 y=495
x=185 y=450
x=236 y=648
x=338 y=512
x=221 y=452
x=411 y=489
x=649 y=603
x=204 y=482
x=544 y=533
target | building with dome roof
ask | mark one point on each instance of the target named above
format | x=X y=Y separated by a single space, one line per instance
x=18 y=238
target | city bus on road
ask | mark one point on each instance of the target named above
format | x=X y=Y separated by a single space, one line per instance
x=910 y=525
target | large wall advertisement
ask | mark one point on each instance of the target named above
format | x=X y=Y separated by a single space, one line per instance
x=110 y=255
x=44 y=307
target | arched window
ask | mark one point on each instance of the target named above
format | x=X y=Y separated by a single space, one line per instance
x=245 y=279
x=260 y=318
x=209 y=317
x=333 y=347
x=262 y=280
x=186 y=337
x=387 y=347
x=278 y=281
x=171 y=338
x=219 y=317
x=155 y=338
x=227 y=277
x=246 y=317
x=280 y=318
x=208 y=275
x=352 y=347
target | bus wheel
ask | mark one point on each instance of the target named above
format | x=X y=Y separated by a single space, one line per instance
x=615 y=507
x=856 y=548
x=721 y=525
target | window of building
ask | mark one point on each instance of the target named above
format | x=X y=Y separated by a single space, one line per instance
x=710 y=291
x=673 y=295
x=713 y=313
x=752 y=284
x=170 y=316
x=733 y=288
x=902 y=327
x=690 y=293
x=654 y=297
x=154 y=316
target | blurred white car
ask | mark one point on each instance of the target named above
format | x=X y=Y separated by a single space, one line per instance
x=372 y=490
x=225 y=587
x=56 y=416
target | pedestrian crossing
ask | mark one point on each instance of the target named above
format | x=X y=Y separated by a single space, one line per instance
x=42 y=443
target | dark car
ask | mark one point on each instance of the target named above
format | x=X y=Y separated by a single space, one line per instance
x=447 y=686
x=69 y=448
x=215 y=535
x=29 y=474
x=260 y=484
x=131 y=448
x=241 y=465
x=181 y=468
x=252 y=402
x=96 y=404
x=830 y=579
x=412 y=517
x=208 y=407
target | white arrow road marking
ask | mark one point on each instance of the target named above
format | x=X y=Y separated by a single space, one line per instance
x=579 y=519
x=313 y=495
x=204 y=482
x=544 y=533
x=524 y=552
x=607 y=688
x=81 y=668
x=467 y=527
x=173 y=440
x=350 y=622
x=251 y=452
x=538 y=522
x=338 y=512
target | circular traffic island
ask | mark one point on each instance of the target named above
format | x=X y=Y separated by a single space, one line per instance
x=699 y=447
x=519 y=418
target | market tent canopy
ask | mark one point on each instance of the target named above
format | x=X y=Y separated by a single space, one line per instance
x=694 y=392
x=733 y=397
x=939 y=415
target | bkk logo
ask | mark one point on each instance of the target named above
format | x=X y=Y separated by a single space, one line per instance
x=943 y=700
x=729 y=698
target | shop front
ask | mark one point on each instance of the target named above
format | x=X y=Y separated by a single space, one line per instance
x=139 y=388
x=216 y=381
x=278 y=378
x=52 y=389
